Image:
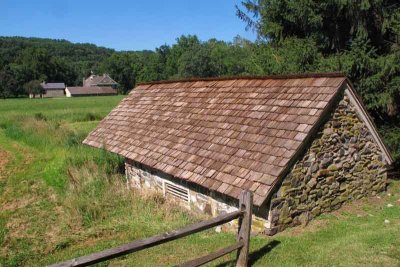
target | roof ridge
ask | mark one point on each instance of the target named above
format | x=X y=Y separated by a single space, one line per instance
x=104 y=77
x=259 y=77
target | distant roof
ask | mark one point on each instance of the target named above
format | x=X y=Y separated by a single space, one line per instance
x=91 y=90
x=225 y=134
x=104 y=79
x=53 y=86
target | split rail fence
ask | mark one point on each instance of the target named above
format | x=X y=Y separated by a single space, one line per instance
x=244 y=214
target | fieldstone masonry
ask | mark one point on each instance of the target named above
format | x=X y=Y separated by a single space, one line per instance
x=205 y=202
x=343 y=163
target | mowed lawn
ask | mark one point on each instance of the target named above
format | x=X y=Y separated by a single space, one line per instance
x=60 y=199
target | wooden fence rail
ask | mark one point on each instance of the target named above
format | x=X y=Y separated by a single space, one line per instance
x=244 y=214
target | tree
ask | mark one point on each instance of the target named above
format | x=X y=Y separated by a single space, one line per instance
x=196 y=62
x=15 y=77
x=183 y=44
x=121 y=66
x=360 y=38
x=60 y=71
x=151 y=67
x=33 y=87
x=332 y=24
x=7 y=83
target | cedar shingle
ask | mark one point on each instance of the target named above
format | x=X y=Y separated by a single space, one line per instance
x=226 y=135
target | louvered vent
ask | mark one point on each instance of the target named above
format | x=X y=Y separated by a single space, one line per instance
x=176 y=191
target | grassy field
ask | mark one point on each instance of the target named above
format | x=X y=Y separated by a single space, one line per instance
x=60 y=199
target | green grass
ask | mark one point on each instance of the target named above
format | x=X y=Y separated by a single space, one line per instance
x=60 y=199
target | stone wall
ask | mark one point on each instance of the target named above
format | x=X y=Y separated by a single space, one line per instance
x=343 y=163
x=200 y=199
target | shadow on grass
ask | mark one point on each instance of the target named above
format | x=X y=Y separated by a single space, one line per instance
x=254 y=256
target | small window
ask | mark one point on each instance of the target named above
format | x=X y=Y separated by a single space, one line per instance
x=176 y=191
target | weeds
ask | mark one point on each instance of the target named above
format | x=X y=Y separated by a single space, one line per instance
x=74 y=139
x=91 y=192
x=40 y=116
x=92 y=117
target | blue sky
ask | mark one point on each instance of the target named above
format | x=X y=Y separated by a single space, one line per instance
x=122 y=24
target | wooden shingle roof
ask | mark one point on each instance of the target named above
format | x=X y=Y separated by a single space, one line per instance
x=53 y=86
x=91 y=90
x=224 y=134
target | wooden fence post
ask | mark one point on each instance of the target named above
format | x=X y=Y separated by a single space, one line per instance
x=246 y=205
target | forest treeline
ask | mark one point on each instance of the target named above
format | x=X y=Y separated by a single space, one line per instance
x=359 y=38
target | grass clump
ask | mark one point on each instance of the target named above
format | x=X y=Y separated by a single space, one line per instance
x=92 y=117
x=74 y=139
x=92 y=192
x=40 y=116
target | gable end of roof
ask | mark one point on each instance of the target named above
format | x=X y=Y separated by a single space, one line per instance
x=347 y=89
x=307 y=140
x=363 y=114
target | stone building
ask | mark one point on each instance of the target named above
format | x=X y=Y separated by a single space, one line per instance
x=303 y=144
x=99 y=81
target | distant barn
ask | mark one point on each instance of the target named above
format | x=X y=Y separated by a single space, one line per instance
x=89 y=91
x=94 y=85
x=303 y=144
x=51 y=90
